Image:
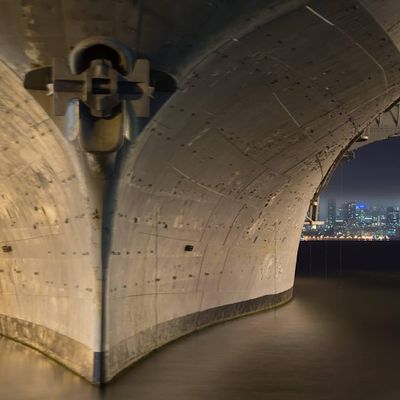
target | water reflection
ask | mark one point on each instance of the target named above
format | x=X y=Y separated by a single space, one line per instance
x=339 y=339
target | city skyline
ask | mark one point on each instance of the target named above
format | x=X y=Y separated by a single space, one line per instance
x=323 y=211
x=355 y=220
x=373 y=177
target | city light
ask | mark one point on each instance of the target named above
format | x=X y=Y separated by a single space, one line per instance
x=356 y=221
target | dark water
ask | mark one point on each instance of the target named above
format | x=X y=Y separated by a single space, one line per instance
x=338 y=339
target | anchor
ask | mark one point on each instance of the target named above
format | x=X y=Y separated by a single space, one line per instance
x=98 y=93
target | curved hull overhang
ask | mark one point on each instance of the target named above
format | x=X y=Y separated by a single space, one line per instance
x=201 y=219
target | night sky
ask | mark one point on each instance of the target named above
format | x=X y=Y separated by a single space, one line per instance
x=373 y=177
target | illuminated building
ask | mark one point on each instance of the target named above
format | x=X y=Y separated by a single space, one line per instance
x=331 y=212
